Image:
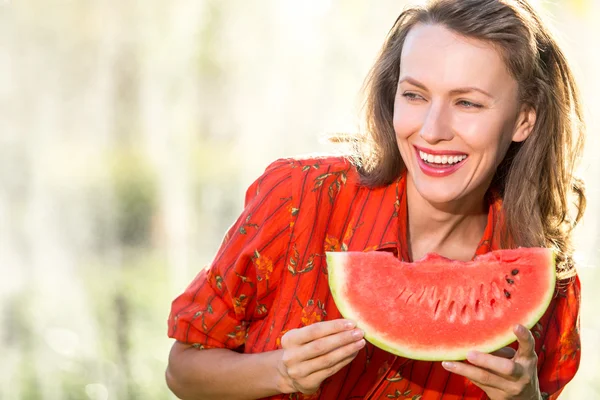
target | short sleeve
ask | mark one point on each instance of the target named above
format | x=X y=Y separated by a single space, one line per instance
x=217 y=307
x=558 y=358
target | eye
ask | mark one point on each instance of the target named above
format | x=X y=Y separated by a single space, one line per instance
x=468 y=104
x=410 y=96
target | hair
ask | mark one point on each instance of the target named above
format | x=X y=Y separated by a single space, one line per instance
x=536 y=178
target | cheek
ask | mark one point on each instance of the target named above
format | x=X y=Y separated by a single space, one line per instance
x=479 y=132
x=407 y=121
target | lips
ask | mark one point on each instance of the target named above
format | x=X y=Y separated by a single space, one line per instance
x=438 y=163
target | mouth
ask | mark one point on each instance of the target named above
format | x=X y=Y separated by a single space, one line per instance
x=439 y=163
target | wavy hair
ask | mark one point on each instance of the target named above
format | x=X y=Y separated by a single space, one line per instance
x=536 y=178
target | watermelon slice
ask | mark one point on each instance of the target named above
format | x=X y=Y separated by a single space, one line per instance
x=438 y=309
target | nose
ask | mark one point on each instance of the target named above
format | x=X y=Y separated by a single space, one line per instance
x=436 y=125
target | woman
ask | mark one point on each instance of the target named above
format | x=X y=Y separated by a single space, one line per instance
x=474 y=126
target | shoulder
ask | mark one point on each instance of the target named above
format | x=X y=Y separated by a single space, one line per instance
x=312 y=162
x=320 y=167
x=299 y=175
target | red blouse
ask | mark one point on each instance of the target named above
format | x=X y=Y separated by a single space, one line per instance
x=270 y=276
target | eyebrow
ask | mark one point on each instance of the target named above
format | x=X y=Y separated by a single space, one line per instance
x=461 y=90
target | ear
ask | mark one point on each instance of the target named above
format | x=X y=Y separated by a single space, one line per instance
x=525 y=123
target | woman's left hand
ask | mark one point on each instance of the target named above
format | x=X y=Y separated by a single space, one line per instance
x=507 y=375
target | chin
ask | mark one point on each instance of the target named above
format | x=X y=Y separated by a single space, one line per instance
x=438 y=190
x=433 y=196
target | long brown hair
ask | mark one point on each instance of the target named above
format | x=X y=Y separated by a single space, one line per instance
x=536 y=178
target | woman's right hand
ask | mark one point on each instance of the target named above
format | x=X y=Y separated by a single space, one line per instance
x=313 y=353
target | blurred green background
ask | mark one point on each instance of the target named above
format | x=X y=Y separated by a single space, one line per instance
x=129 y=131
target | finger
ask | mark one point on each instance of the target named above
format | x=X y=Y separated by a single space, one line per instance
x=330 y=359
x=526 y=341
x=476 y=374
x=307 y=334
x=328 y=344
x=317 y=377
x=505 y=352
x=497 y=365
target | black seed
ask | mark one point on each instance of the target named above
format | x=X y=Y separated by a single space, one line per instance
x=510 y=281
x=507 y=294
x=514 y=271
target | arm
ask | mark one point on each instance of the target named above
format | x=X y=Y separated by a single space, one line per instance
x=220 y=306
x=216 y=310
x=560 y=354
x=222 y=373
x=309 y=355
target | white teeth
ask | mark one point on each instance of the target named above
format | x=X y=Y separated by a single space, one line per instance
x=430 y=158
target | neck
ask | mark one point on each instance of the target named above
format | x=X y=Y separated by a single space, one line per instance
x=452 y=230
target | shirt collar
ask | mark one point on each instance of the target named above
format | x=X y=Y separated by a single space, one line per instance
x=393 y=202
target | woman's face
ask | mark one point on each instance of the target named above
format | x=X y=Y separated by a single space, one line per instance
x=455 y=114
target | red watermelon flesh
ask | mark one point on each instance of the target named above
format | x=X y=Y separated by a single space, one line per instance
x=438 y=309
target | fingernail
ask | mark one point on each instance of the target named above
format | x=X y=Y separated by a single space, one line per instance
x=357 y=333
x=471 y=356
x=519 y=328
x=360 y=344
x=448 y=364
x=349 y=325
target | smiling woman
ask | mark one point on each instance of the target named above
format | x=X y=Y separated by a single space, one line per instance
x=473 y=131
x=456 y=100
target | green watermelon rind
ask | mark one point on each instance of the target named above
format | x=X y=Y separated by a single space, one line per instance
x=336 y=262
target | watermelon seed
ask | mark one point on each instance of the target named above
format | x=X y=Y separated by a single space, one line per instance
x=433 y=296
x=452 y=311
x=478 y=308
x=421 y=295
x=435 y=312
x=507 y=294
x=510 y=281
x=401 y=293
x=464 y=315
x=514 y=271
